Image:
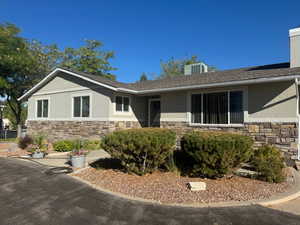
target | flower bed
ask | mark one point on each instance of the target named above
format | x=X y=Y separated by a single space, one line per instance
x=172 y=188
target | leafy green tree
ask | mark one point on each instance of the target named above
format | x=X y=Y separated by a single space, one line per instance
x=25 y=62
x=175 y=67
x=143 y=77
x=8 y=113
x=89 y=58
x=18 y=69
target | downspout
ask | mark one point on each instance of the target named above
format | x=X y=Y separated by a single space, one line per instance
x=298 y=116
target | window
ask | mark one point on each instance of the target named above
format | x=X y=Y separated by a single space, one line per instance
x=122 y=104
x=42 y=108
x=196 y=108
x=217 y=108
x=81 y=106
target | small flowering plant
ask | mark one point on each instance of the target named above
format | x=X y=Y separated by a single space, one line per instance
x=78 y=149
x=39 y=145
x=79 y=152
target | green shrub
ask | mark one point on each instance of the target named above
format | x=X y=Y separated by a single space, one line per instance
x=214 y=154
x=63 y=146
x=268 y=162
x=24 y=142
x=91 y=144
x=141 y=150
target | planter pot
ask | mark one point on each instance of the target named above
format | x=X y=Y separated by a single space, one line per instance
x=38 y=155
x=78 y=161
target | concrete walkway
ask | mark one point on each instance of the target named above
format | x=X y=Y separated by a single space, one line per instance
x=29 y=196
x=292 y=206
x=62 y=159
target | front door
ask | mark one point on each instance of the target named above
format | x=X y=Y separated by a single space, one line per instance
x=154 y=113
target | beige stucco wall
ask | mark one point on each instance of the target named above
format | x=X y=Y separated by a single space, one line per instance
x=60 y=92
x=272 y=101
x=262 y=102
x=137 y=108
x=266 y=102
x=173 y=106
x=63 y=88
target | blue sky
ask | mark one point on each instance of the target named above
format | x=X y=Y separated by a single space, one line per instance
x=227 y=34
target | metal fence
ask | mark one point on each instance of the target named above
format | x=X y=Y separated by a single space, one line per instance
x=6 y=134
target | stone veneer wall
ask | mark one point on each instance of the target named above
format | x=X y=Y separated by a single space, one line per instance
x=282 y=135
x=56 y=130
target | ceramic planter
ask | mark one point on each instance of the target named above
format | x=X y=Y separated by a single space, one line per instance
x=38 y=155
x=78 y=161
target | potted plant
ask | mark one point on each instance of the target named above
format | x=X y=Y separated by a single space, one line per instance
x=78 y=155
x=38 y=148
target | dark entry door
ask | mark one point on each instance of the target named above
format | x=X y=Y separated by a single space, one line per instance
x=154 y=113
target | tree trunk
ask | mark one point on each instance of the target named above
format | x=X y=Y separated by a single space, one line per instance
x=19 y=130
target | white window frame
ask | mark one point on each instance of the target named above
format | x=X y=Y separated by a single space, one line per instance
x=72 y=106
x=115 y=105
x=245 y=107
x=36 y=108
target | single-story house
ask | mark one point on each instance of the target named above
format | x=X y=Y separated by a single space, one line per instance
x=261 y=101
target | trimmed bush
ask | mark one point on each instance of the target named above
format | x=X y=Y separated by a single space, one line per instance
x=214 y=154
x=63 y=146
x=268 y=162
x=91 y=144
x=25 y=142
x=141 y=150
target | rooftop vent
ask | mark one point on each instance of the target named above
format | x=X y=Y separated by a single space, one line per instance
x=195 y=68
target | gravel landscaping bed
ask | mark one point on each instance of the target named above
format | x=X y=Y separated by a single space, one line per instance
x=172 y=188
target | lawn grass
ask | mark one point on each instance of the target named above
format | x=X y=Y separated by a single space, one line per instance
x=9 y=140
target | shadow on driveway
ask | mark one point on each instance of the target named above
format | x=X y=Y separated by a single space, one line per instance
x=28 y=196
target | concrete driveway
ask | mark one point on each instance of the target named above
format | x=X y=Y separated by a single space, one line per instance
x=30 y=197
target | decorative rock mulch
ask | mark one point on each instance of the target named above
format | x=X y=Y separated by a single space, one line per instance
x=172 y=188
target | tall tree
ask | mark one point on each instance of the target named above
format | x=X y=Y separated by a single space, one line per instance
x=89 y=58
x=175 y=67
x=8 y=113
x=143 y=77
x=18 y=69
x=24 y=62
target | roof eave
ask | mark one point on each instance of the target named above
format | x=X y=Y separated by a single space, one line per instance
x=54 y=72
x=158 y=90
x=223 y=84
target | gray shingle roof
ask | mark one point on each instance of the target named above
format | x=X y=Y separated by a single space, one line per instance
x=242 y=74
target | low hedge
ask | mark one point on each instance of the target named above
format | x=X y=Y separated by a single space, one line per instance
x=69 y=145
x=214 y=154
x=92 y=144
x=63 y=146
x=141 y=150
x=268 y=162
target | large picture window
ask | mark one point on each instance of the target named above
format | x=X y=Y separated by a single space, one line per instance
x=217 y=108
x=42 y=108
x=122 y=104
x=81 y=106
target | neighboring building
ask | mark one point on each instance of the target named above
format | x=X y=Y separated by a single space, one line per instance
x=260 y=101
x=6 y=123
